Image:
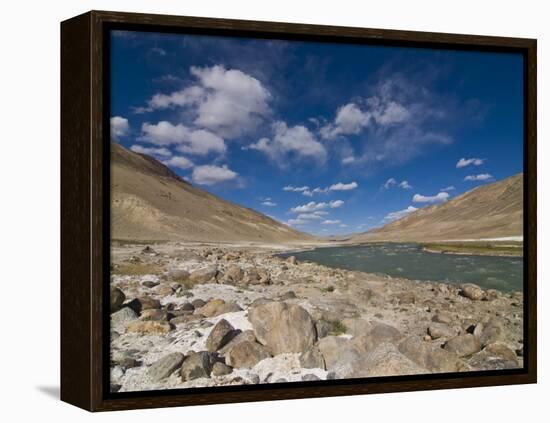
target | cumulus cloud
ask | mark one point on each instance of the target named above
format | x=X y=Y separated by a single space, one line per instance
x=480 y=177
x=306 y=216
x=192 y=141
x=467 y=162
x=290 y=143
x=312 y=206
x=269 y=203
x=295 y=189
x=150 y=151
x=449 y=188
x=399 y=214
x=348 y=160
x=211 y=175
x=119 y=127
x=227 y=102
x=439 y=198
x=349 y=120
x=330 y=222
x=343 y=187
x=340 y=186
x=179 y=162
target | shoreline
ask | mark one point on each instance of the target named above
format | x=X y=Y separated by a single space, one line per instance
x=174 y=302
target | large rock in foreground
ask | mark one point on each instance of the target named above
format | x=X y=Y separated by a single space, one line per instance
x=117 y=299
x=197 y=365
x=246 y=354
x=164 y=367
x=283 y=328
x=463 y=345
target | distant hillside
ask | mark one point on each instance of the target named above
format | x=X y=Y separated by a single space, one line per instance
x=150 y=202
x=489 y=211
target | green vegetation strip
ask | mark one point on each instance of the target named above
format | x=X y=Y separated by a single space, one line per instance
x=514 y=249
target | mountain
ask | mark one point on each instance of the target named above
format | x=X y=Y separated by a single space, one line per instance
x=490 y=211
x=150 y=202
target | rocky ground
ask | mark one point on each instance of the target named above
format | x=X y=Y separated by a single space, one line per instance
x=189 y=315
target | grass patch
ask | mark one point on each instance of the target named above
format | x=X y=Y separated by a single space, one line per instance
x=328 y=289
x=503 y=248
x=337 y=327
x=137 y=269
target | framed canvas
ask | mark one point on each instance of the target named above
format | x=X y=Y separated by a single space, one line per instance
x=258 y=211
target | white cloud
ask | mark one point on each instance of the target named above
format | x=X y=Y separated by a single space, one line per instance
x=439 y=198
x=349 y=120
x=295 y=189
x=308 y=216
x=399 y=214
x=330 y=222
x=228 y=102
x=199 y=141
x=312 y=206
x=210 y=175
x=343 y=187
x=449 y=188
x=466 y=162
x=150 y=151
x=343 y=225
x=405 y=185
x=289 y=143
x=119 y=127
x=348 y=160
x=269 y=203
x=297 y=222
x=389 y=183
x=179 y=162
x=480 y=177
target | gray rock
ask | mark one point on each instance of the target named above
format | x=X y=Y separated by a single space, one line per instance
x=234 y=274
x=117 y=299
x=247 y=335
x=150 y=284
x=197 y=303
x=492 y=332
x=197 y=365
x=323 y=328
x=178 y=274
x=164 y=367
x=220 y=335
x=246 y=354
x=471 y=291
x=331 y=348
x=283 y=328
x=463 y=345
x=430 y=357
x=124 y=359
x=143 y=303
x=495 y=357
x=289 y=295
x=440 y=330
x=443 y=317
x=312 y=358
x=205 y=275
x=220 y=369
x=121 y=318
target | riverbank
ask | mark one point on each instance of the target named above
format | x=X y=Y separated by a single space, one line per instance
x=187 y=315
x=481 y=248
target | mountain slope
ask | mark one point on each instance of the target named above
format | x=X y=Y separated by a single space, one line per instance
x=150 y=202
x=489 y=211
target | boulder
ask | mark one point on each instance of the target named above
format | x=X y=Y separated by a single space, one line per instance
x=283 y=328
x=247 y=335
x=153 y=314
x=178 y=274
x=463 y=345
x=220 y=369
x=234 y=274
x=492 y=332
x=323 y=328
x=440 y=330
x=378 y=334
x=289 y=295
x=331 y=348
x=123 y=359
x=220 y=335
x=197 y=365
x=430 y=357
x=149 y=327
x=197 y=303
x=121 y=318
x=246 y=354
x=312 y=358
x=357 y=327
x=117 y=299
x=204 y=275
x=443 y=317
x=164 y=367
x=471 y=291
x=150 y=284
x=143 y=303
x=216 y=307
x=495 y=356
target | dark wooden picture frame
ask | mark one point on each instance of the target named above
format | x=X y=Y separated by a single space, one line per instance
x=84 y=211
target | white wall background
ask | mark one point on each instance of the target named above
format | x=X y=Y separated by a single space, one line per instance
x=29 y=237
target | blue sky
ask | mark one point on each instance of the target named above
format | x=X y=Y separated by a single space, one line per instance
x=328 y=138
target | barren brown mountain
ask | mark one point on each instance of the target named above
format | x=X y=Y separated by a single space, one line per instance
x=150 y=202
x=490 y=211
